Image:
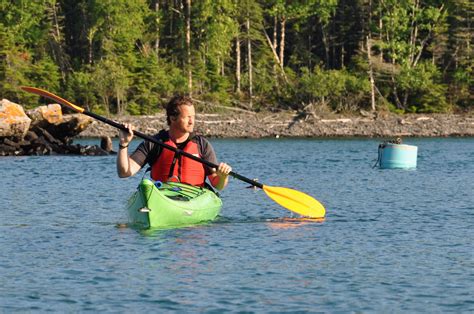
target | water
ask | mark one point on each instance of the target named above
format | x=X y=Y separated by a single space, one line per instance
x=393 y=240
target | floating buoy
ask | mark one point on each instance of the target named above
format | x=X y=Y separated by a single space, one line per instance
x=397 y=156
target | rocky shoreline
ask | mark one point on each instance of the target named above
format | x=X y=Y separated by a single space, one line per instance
x=290 y=124
x=46 y=131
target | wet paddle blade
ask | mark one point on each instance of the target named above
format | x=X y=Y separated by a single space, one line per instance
x=296 y=201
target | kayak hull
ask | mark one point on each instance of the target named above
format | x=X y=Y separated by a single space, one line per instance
x=168 y=205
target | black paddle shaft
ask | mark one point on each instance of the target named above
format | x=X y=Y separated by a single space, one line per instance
x=174 y=149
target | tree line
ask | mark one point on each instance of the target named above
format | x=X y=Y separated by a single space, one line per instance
x=117 y=57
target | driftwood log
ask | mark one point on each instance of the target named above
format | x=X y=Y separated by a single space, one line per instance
x=43 y=131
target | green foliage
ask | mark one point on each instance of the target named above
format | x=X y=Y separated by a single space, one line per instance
x=338 y=89
x=23 y=45
x=112 y=80
x=45 y=73
x=119 y=57
x=153 y=78
x=462 y=85
x=118 y=25
x=25 y=21
x=80 y=89
x=14 y=69
x=422 y=85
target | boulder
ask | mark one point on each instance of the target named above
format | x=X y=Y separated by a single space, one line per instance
x=14 y=123
x=71 y=126
x=46 y=132
x=106 y=144
x=45 y=115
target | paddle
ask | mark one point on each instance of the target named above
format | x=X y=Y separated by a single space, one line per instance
x=293 y=200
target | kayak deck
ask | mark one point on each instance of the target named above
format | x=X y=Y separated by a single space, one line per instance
x=171 y=205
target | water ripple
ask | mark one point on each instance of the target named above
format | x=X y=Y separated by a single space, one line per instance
x=392 y=241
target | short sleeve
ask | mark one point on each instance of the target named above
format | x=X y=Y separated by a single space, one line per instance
x=207 y=153
x=141 y=152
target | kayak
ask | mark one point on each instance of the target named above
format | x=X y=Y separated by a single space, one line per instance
x=165 y=205
x=294 y=200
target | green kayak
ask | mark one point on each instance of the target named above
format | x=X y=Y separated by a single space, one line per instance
x=163 y=205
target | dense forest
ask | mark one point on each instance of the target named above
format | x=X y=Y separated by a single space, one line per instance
x=118 y=57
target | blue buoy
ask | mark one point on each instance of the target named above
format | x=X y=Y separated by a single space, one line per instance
x=397 y=156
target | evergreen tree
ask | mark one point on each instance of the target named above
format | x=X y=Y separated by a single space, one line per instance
x=130 y=56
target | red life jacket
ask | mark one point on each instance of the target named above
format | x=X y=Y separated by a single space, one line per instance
x=169 y=166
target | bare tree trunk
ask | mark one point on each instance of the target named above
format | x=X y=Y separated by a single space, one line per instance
x=157 y=39
x=380 y=37
x=90 y=38
x=325 y=42
x=275 y=34
x=171 y=14
x=369 y=58
x=105 y=100
x=343 y=52
x=405 y=100
x=188 y=46
x=222 y=67
x=310 y=40
x=332 y=44
x=395 y=92
x=57 y=46
x=57 y=28
x=282 y=40
x=237 y=66
x=371 y=75
x=275 y=55
x=119 y=105
x=413 y=32
x=274 y=44
x=249 y=51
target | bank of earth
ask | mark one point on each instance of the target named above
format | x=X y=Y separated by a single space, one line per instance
x=290 y=124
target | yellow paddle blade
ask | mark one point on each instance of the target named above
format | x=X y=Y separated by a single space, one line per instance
x=296 y=201
x=59 y=100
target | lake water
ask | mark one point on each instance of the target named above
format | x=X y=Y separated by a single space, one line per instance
x=392 y=241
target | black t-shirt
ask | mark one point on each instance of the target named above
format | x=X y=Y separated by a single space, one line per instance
x=147 y=152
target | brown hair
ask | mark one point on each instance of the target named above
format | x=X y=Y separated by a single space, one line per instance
x=172 y=106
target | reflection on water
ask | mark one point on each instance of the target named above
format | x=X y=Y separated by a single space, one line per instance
x=290 y=223
x=275 y=223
